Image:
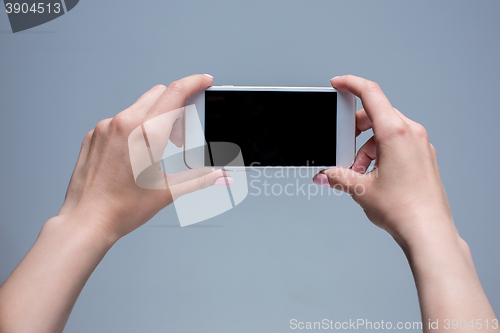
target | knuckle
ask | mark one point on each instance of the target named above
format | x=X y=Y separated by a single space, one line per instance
x=421 y=132
x=201 y=182
x=102 y=127
x=88 y=138
x=176 y=88
x=371 y=86
x=398 y=130
x=89 y=135
x=160 y=87
x=148 y=95
x=120 y=123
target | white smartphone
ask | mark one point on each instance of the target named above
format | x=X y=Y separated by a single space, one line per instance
x=242 y=128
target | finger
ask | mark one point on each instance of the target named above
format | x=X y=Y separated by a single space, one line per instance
x=158 y=130
x=79 y=171
x=176 y=94
x=195 y=173
x=400 y=114
x=366 y=154
x=141 y=107
x=196 y=179
x=84 y=150
x=433 y=153
x=375 y=103
x=341 y=179
x=99 y=135
x=363 y=122
x=177 y=134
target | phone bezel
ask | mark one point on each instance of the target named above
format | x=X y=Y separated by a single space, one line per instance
x=346 y=125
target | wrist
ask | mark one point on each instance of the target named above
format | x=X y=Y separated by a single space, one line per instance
x=81 y=229
x=434 y=243
x=422 y=229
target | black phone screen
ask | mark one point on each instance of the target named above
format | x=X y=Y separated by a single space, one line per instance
x=273 y=128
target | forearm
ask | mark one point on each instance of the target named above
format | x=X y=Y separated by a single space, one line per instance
x=41 y=292
x=447 y=283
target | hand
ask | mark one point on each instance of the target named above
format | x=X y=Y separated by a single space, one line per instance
x=116 y=186
x=404 y=192
x=405 y=196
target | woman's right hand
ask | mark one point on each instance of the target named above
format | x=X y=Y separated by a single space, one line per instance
x=405 y=196
x=404 y=193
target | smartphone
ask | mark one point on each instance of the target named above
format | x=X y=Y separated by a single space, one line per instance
x=244 y=127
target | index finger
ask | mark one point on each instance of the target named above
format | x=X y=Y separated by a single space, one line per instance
x=377 y=106
x=177 y=93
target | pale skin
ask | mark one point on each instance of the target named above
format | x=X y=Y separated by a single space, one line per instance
x=404 y=196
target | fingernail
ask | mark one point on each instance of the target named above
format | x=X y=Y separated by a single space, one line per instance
x=210 y=76
x=333 y=78
x=321 y=179
x=224 y=181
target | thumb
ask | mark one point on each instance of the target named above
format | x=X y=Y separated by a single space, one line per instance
x=342 y=179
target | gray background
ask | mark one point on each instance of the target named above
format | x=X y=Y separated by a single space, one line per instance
x=272 y=258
